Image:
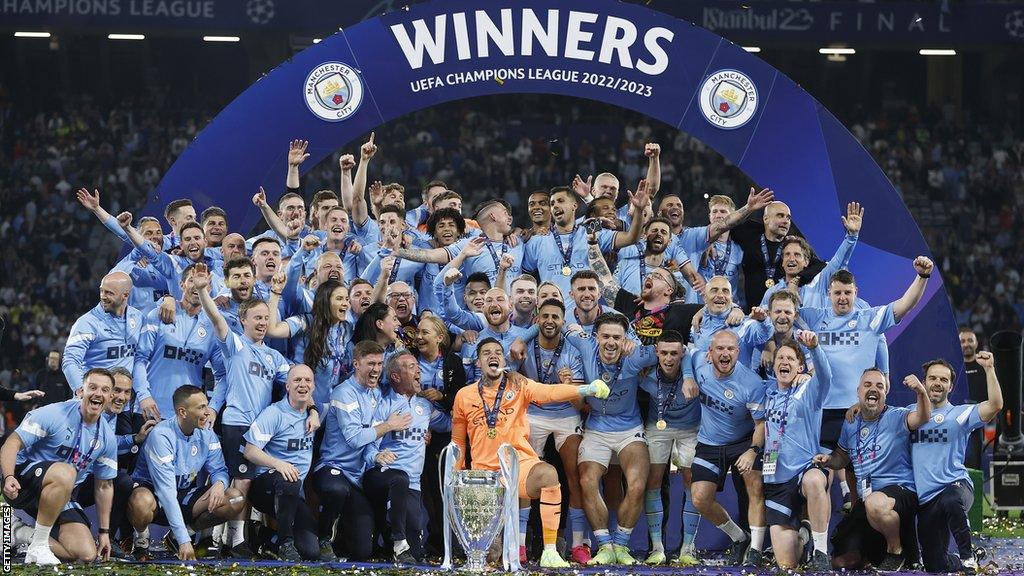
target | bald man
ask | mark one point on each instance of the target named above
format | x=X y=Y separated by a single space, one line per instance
x=761 y=242
x=106 y=336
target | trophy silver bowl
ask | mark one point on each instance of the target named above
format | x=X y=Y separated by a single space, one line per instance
x=476 y=500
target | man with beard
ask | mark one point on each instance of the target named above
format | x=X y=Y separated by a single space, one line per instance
x=671 y=431
x=174 y=354
x=721 y=314
x=106 y=336
x=538 y=206
x=252 y=368
x=392 y=237
x=168 y=490
x=148 y=285
x=556 y=255
x=849 y=337
x=879 y=530
x=393 y=482
x=635 y=261
x=584 y=306
x=945 y=491
x=782 y=311
x=170 y=266
x=613 y=428
x=48 y=456
x=549 y=361
x=721 y=256
x=658 y=307
x=730 y=437
x=496 y=325
x=489 y=416
x=796 y=256
x=336 y=240
x=350 y=430
x=976 y=392
x=280 y=444
x=50 y=381
x=761 y=242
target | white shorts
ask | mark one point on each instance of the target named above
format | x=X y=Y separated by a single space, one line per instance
x=542 y=427
x=679 y=444
x=601 y=446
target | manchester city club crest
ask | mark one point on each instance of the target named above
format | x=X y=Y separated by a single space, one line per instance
x=131 y=323
x=195 y=450
x=864 y=432
x=333 y=91
x=729 y=394
x=509 y=395
x=728 y=99
x=201 y=332
x=939 y=418
x=419 y=410
x=852 y=323
x=269 y=358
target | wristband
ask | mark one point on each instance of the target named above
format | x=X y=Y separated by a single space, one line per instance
x=925 y=276
x=276 y=293
x=758 y=450
x=104 y=530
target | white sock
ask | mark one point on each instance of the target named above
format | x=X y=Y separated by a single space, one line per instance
x=844 y=486
x=401 y=546
x=550 y=547
x=218 y=533
x=657 y=546
x=235 y=533
x=142 y=535
x=734 y=532
x=820 y=541
x=757 y=537
x=41 y=535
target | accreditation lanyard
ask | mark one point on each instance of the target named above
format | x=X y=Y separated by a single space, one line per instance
x=720 y=264
x=494 y=253
x=770 y=460
x=770 y=266
x=76 y=458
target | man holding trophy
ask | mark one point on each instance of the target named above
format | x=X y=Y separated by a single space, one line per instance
x=493 y=412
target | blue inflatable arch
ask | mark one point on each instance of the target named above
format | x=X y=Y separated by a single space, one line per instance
x=627 y=55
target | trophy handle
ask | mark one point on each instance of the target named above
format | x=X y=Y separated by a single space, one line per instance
x=445 y=468
x=508 y=460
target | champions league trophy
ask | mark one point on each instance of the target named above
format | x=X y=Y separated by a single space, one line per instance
x=476 y=503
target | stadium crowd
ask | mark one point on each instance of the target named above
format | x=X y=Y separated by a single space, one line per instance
x=343 y=348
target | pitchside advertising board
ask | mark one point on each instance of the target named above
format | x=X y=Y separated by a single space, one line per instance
x=334 y=93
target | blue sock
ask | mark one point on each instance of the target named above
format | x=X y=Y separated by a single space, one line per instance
x=602 y=537
x=613 y=520
x=622 y=535
x=691 y=518
x=578 y=525
x=524 y=519
x=655 y=513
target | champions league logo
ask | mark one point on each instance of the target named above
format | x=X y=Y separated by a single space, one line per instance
x=728 y=99
x=333 y=91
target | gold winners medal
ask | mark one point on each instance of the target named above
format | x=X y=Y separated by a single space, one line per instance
x=566 y=270
x=662 y=424
x=769 y=283
x=492 y=433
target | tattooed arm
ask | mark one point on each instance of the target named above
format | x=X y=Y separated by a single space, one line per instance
x=609 y=285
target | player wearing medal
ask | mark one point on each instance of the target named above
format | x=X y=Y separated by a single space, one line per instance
x=731 y=436
x=549 y=360
x=937 y=451
x=879 y=530
x=493 y=412
x=721 y=313
x=50 y=453
x=634 y=262
x=614 y=428
x=672 y=422
x=169 y=487
x=792 y=428
x=722 y=256
x=556 y=255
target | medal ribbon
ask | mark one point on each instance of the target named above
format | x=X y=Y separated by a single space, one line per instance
x=75 y=458
x=720 y=264
x=566 y=254
x=544 y=374
x=494 y=254
x=663 y=404
x=769 y=266
x=491 y=414
x=874 y=437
